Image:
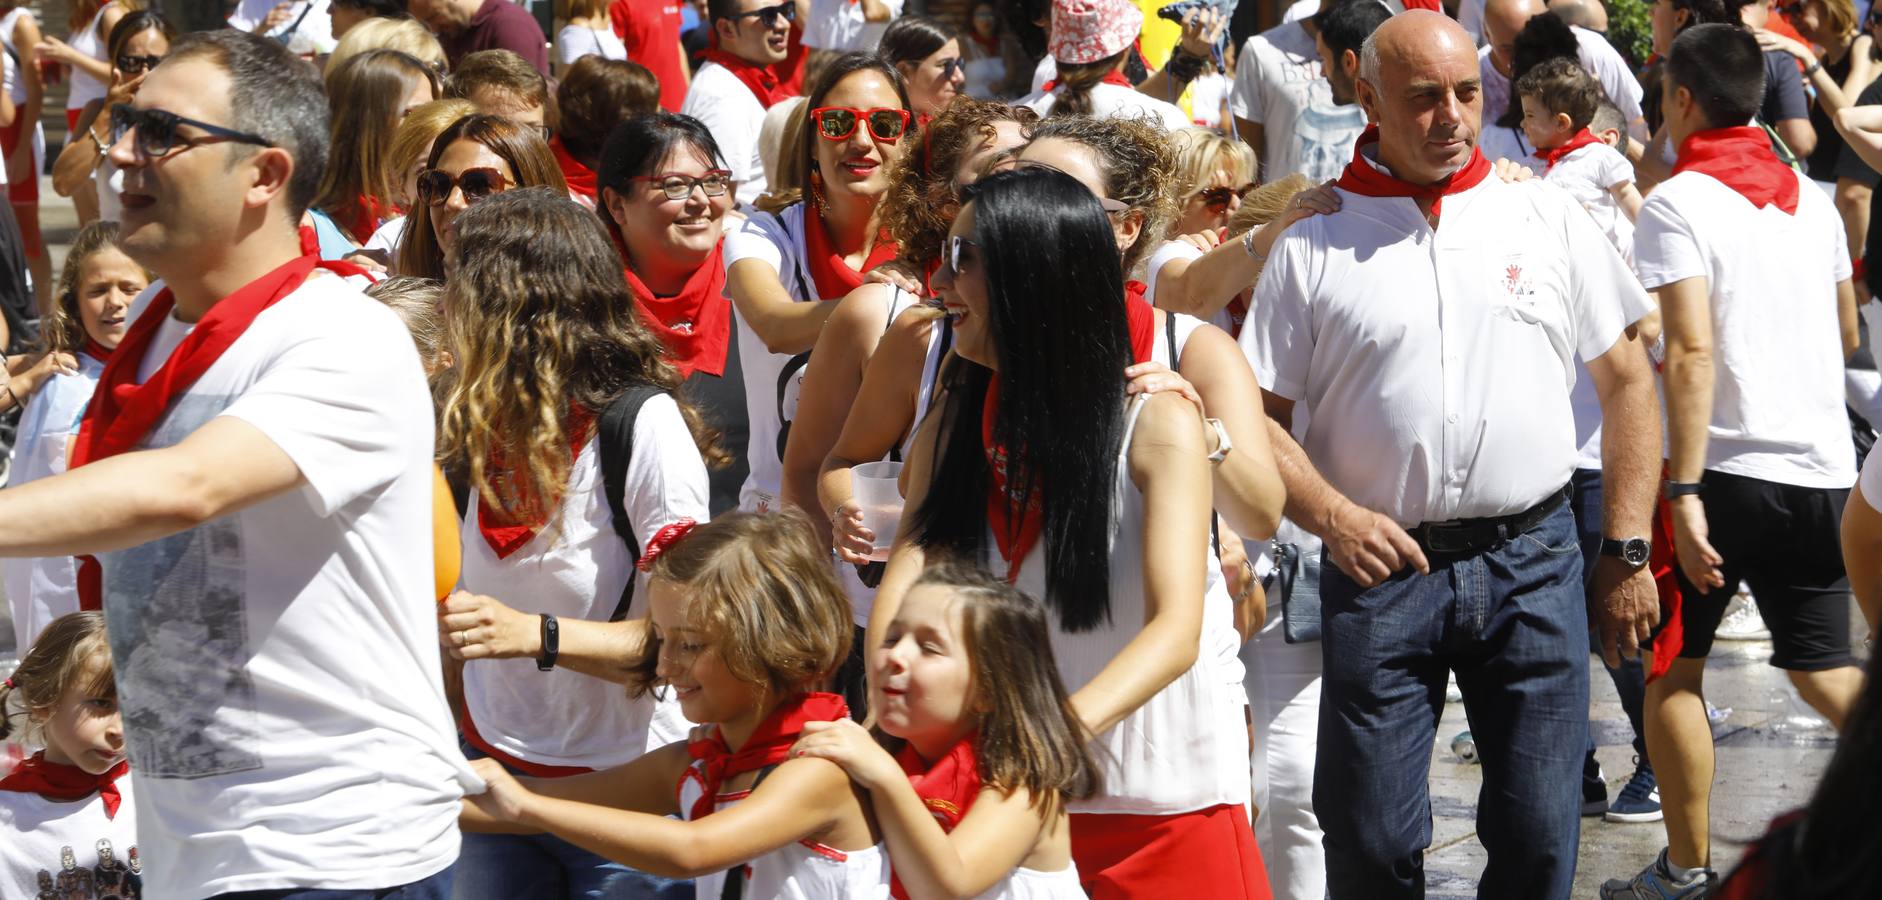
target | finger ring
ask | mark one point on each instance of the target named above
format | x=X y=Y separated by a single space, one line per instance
x=460 y=638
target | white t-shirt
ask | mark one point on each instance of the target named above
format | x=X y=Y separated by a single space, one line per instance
x=1777 y=396
x=385 y=239
x=1207 y=95
x=733 y=115
x=83 y=86
x=1043 y=71
x=59 y=850
x=308 y=29
x=1588 y=175
x=1450 y=401
x=574 y=42
x=1597 y=56
x=278 y=668
x=838 y=25
x=44 y=588
x=562 y=717
x=1280 y=86
x=1115 y=101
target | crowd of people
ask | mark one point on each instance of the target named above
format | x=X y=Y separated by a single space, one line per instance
x=755 y=448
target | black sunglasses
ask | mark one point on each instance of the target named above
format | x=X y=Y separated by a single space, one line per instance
x=156 y=131
x=132 y=65
x=477 y=184
x=769 y=16
x=1217 y=198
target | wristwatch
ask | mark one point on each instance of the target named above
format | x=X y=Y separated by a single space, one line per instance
x=551 y=643
x=1677 y=489
x=1222 y=443
x=1632 y=551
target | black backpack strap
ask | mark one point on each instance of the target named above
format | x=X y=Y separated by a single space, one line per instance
x=1169 y=337
x=615 y=435
x=792 y=366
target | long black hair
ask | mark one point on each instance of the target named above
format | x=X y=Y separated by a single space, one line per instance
x=635 y=146
x=1062 y=341
x=912 y=39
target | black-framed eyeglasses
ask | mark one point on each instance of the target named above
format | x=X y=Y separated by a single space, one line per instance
x=1217 y=198
x=768 y=16
x=156 y=131
x=477 y=184
x=132 y=65
x=837 y=123
x=952 y=261
x=679 y=187
x=1110 y=206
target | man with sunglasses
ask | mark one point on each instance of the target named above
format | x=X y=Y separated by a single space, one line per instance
x=739 y=81
x=849 y=26
x=253 y=478
x=467 y=26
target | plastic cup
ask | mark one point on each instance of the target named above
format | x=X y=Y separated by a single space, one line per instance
x=879 y=495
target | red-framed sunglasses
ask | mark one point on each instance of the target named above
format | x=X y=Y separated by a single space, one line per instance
x=837 y=123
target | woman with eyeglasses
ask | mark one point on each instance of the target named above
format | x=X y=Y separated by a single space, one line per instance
x=476 y=157
x=369 y=95
x=545 y=339
x=1098 y=503
x=664 y=191
x=928 y=54
x=138 y=42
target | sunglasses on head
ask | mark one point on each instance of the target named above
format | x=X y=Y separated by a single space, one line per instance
x=133 y=65
x=837 y=123
x=769 y=16
x=157 y=131
x=477 y=184
x=679 y=187
x=1217 y=198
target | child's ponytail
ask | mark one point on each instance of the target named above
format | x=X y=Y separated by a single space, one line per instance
x=73 y=650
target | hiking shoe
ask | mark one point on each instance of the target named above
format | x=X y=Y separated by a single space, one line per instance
x=1655 y=883
x=1639 y=800
x=1594 y=788
x=1742 y=621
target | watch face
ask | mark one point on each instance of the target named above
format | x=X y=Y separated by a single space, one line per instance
x=1636 y=551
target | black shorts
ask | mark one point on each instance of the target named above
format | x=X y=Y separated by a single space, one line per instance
x=1784 y=542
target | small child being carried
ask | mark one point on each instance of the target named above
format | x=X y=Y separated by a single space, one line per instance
x=1560 y=101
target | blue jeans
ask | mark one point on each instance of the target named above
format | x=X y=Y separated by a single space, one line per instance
x=1630 y=680
x=437 y=887
x=544 y=867
x=1512 y=623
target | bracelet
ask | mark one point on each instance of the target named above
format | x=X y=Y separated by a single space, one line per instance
x=1814 y=68
x=551 y=643
x=1248 y=245
x=98 y=141
x=1182 y=66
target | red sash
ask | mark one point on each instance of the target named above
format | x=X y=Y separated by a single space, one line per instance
x=769 y=745
x=832 y=276
x=1112 y=77
x=1017 y=524
x=761 y=80
x=947 y=788
x=1581 y=139
x=580 y=178
x=65 y=784
x=695 y=324
x=1741 y=159
x=506 y=531
x=1362 y=178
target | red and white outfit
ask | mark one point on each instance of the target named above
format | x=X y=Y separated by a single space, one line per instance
x=948 y=787
x=1589 y=170
x=729 y=96
x=550 y=723
x=84 y=88
x=27 y=191
x=68 y=833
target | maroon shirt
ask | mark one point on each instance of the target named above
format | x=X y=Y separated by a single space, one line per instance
x=500 y=25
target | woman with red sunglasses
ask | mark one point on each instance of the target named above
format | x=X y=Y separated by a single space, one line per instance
x=476 y=157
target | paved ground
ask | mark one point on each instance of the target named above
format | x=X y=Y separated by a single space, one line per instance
x=1770 y=750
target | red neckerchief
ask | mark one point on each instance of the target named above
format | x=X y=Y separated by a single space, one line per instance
x=769 y=745
x=1741 y=159
x=790 y=72
x=506 y=531
x=64 y=784
x=1112 y=77
x=368 y=212
x=580 y=178
x=1362 y=178
x=694 y=324
x=96 y=350
x=1581 y=139
x=832 y=276
x=989 y=44
x=947 y=788
x=762 y=80
x=1015 y=539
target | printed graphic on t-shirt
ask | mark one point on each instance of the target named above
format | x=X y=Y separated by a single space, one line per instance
x=1324 y=133
x=111 y=879
x=179 y=637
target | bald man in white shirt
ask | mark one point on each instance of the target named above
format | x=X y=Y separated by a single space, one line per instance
x=1431 y=328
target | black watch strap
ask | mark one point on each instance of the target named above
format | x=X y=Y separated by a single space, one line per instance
x=1683 y=488
x=1634 y=551
x=551 y=643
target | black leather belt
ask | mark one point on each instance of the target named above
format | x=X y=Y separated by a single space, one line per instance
x=1477 y=535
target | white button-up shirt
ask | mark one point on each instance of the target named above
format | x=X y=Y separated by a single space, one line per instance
x=1437 y=364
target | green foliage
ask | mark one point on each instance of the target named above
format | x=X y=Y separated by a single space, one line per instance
x=1629 y=31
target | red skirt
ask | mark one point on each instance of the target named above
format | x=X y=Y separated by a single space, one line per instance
x=1207 y=853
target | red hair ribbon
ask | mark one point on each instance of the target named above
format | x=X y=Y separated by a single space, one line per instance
x=663 y=539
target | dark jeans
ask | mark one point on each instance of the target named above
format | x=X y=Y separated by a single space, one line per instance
x=1630 y=680
x=1513 y=624
x=437 y=887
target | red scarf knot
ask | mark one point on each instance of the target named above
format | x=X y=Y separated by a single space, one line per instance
x=1555 y=155
x=695 y=324
x=947 y=788
x=1362 y=178
x=769 y=745
x=1741 y=159
x=833 y=277
x=663 y=540
x=509 y=530
x=65 y=784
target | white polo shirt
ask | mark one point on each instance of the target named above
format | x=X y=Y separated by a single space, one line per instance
x=1115 y=101
x=1438 y=364
x=733 y=114
x=1280 y=86
x=1598 y=57
x=1777 y=396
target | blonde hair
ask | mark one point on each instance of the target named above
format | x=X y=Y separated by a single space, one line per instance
x=760 y=589
x=416 y=132
x=1265 y=204
x=381 y=33
x=1201 y=153
x=418 y=302
x=73 y=652
x=64 y=329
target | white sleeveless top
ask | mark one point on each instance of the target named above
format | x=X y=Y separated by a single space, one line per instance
x=87 y=40
x=1186 y=749
x=1032 y=884
x=803 y=870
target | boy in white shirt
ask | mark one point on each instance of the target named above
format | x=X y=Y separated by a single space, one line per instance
x=1560 y=100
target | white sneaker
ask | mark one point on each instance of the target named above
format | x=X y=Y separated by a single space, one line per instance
x=1742 y=621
